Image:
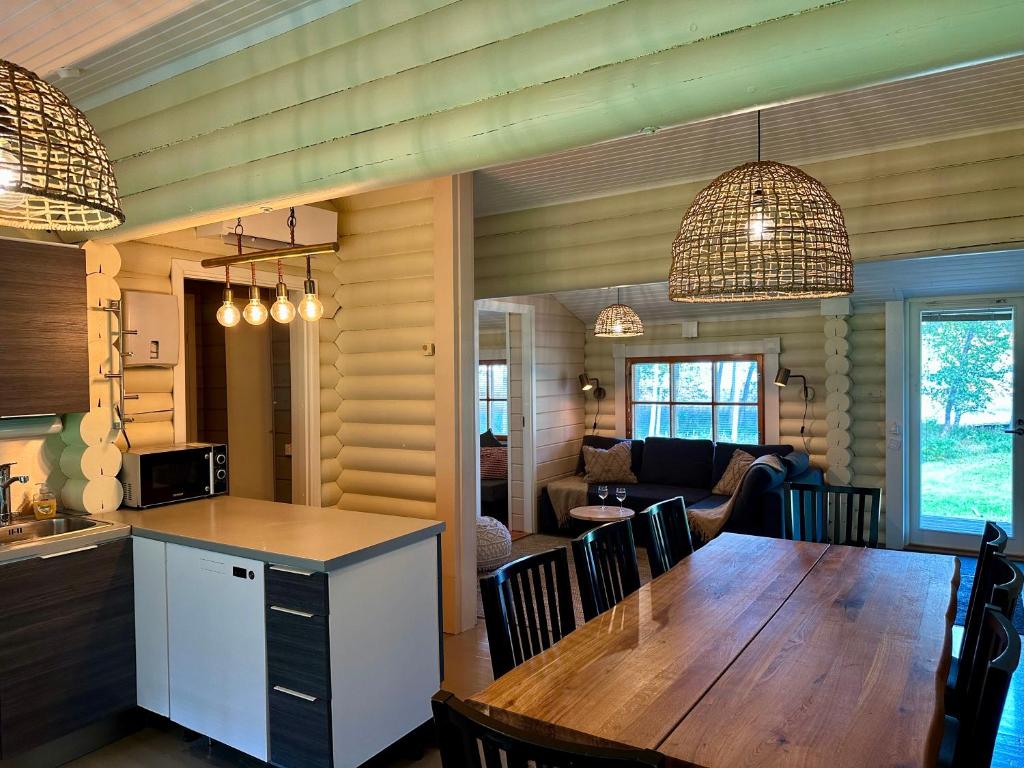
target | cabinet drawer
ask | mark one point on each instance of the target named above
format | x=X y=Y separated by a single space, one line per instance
x=298 y=655
x=297 y=590
x=300 y=731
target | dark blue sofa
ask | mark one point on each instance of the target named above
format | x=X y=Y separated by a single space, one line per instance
x=670 y=467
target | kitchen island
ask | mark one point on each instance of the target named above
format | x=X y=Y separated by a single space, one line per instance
x=304 y=636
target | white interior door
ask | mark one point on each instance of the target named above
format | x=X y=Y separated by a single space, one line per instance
x=966 y=420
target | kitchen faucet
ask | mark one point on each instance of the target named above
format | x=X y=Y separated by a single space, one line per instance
x=6 y=481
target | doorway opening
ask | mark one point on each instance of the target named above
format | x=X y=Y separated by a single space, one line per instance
x=253 y=388
x=505 y=415
x=966 y=459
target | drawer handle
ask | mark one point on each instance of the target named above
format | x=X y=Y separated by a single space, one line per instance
x=68 y=552
x=296 y=694
x=291 y=611
x=288 y=569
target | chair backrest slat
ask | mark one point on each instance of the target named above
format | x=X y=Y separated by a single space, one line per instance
x=668 y=534
x=997 y=657
x=470 y=739
x=836 y=514
x=606 y=566
x=527 y=607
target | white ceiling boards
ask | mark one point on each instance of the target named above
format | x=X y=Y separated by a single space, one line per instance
x=974 y=99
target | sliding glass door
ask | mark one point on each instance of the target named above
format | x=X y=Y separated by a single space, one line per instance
x=966 y=420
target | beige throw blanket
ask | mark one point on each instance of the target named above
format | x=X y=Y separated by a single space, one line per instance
x=706 y=524
x=566 y=493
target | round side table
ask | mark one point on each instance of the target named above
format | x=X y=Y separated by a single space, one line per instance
x=601 y=514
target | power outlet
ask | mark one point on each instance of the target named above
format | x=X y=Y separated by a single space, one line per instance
x=428 y=350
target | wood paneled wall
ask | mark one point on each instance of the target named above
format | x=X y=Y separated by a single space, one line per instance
x=802 y=350
x=950 y=196
x=385 y=93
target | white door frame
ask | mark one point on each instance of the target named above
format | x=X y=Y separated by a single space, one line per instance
x=527 y=313
x=912 y=481
x=305 y=377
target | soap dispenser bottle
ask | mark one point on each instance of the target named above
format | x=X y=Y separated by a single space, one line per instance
x=44 y=503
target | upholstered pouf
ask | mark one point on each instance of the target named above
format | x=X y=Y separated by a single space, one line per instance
x=493 y=544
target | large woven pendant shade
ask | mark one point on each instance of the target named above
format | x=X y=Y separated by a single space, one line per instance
x=759 y=232
x=618 y=321
x=54 y=170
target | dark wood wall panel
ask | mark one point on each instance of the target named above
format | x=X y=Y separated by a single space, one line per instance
x=44 y=355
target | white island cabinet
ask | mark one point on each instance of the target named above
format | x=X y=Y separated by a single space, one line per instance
x=311 y=649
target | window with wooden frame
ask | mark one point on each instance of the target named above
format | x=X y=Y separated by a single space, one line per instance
x=492 y=384
x=718 y=398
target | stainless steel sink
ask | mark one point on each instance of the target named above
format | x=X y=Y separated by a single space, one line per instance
x=32 y=530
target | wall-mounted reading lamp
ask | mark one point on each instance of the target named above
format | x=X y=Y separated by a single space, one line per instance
x=593 y=386
x=784 y=375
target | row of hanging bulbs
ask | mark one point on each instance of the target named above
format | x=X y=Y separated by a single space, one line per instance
x=282 y=310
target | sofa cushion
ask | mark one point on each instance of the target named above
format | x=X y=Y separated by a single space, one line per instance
x=730 y=480
x=493 y=490
x=675 y=461
x=494 y=463
x=488 y=440
x=600 y=441
x=640 y=496
x=723 y=455
x=611 y=465
x=709 y=502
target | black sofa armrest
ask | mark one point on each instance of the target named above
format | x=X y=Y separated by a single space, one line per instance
x=758 y=508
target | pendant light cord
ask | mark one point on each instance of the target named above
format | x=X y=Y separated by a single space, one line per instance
x=759 y=135
x=291 y=237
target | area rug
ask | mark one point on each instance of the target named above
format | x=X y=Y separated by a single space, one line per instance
x=538 y=542
x=963 y=596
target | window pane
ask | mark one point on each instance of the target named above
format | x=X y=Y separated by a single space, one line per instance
x=482 y=408
x=499 y=381
x=691 y=382
x=499 y=417
x=481 y=382
x=651 y=382
x=737 y=381
x=692 y=421
x=737 y=424
x=651 y=421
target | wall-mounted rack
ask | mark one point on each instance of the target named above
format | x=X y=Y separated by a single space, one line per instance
x=116 y=308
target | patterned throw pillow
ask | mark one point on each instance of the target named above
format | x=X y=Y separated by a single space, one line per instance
x=734 y=473
x=493 y=463
x=609 y=466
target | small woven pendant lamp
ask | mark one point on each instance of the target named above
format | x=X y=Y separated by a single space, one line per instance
x=759 y=232
x=54 y=170
x=618 y=321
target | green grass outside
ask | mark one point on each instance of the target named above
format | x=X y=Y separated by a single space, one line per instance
x=966 y=473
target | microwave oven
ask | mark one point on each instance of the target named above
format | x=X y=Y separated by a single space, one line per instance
x=169 y=473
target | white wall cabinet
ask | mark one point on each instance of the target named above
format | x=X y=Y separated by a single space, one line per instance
x=217 y=656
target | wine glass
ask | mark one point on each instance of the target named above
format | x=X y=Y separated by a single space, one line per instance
x=602 y=494
x=620 y=494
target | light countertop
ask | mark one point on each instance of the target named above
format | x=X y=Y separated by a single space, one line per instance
x=310 y=538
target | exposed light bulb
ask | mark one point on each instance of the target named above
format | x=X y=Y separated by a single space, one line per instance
x=228 y=314
x=310 y=308
x=282 y=310
x=6 y=178
x=617 y=328
x=254 y=313
x=760 y=226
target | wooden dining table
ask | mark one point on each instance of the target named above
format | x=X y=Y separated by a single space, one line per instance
x=756 y=652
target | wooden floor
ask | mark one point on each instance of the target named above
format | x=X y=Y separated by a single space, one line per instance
x=468 y=668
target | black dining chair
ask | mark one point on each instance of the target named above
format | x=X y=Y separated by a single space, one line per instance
x=606 y=567
x=668 y=534
x=527 y=607
x=469 y=739
x=969 y=739
x=853 y=512
x=993 y=543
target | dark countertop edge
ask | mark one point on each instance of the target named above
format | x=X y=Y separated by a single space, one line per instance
x=277 y=558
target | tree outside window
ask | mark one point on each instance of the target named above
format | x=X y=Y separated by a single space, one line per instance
x=492 y=384
x=710 y=398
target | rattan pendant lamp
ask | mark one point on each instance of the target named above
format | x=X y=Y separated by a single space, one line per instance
x=760 y=232
x=618 y=321
x=54 y=170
